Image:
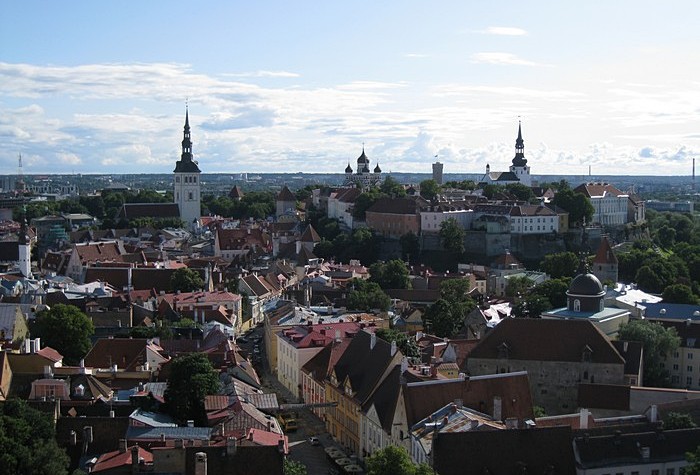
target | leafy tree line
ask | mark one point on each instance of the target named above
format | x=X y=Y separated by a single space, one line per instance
x=445 y=317
x=254 y=204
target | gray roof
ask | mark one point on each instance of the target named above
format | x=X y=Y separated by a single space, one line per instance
x=149 y=433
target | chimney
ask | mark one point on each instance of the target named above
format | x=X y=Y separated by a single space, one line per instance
x=583 y=419
x=459 y=403
x=280 y=445
x=135 y=456
x=393 y=347
x=37 y=344
x=179 y=443
x=372 y=340
x=122 y=446
x=337 y=336
x=433 y=371
x=497 y=412
x=404 y=364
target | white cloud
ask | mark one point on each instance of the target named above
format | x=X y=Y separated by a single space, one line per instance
x=506 y=59
x=504 y=30
x=263 y=74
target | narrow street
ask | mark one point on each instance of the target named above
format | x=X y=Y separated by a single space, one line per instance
x=300 y=449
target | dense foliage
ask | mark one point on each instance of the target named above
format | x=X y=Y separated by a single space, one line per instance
x=28 y=442
x=577 y=204
x=192 y=377
x=394 y=460
x=66 y=329
x=254 y=204
x=365 y=296
x=658 y=342
x=390 y=275
x=186 y=280
x=560 y=264
x=405 y=343
x=445 y=318
x=452 y=237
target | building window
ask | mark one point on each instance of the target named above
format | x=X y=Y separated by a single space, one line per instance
x=689 y=381
x=577 y=305
x=177 y=179
x=189 y=196
x=675 y=367
x=689 y=368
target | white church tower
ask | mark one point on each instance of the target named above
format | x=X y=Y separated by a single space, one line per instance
x=24 y=260
x=186 y=191
x=519 y=166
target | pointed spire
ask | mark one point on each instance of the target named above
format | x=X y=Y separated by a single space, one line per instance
x=519 y=159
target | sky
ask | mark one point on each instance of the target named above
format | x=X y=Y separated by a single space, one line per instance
x=302 y=86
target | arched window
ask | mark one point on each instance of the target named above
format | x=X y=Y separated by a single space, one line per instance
x=577 y=305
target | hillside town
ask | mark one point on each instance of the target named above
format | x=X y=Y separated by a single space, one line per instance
x=499 y=325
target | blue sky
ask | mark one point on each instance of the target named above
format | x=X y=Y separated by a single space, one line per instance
x=101 y=86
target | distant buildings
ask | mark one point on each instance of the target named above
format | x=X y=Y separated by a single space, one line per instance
x=363 y=178
x=519 y=171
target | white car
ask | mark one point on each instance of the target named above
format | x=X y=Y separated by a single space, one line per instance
x=314 y=441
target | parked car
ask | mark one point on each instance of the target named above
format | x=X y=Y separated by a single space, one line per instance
x=314 y=441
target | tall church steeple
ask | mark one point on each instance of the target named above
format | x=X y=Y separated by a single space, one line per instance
x=186 y=191
x=519 y=166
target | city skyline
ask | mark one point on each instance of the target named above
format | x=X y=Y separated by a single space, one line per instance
x=277 y=87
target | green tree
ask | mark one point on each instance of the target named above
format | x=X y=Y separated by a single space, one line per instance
x=452 y=236
x=292 y=467
x=366 y=296
x=666 y=236
x=390 y=275
x=185 y=279
x=655 y=276
x=531 y=307
x=410 y=246
x=394 y=460
x=404 y=342
x=429 y=189
x=577 y=204
x=679 y=293
x=490 y=191
x=445 y=318
x=28 y=442
x=66 y=329
x=657 y=342
x=517 y=287
x=393 y=188
x=192 y=377
x=520 y=191
x=693 y=458
x=678 y=420
x=554 y=290
x=560 y=264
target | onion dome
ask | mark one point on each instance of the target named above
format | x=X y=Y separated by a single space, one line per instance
x=377 y=169
x=348 y=169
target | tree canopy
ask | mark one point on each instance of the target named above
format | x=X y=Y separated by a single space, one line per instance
x=560 y=264
x=405 y=343
x=390 y=275
x=185 y=279
x=394 y=460
x=452 y=236
x=657 y=341
x=28 y=442
x=445 y=318
x=192 y=377
x=577 y=204
x=365 y=296
x=65 y=329
x=429 y=189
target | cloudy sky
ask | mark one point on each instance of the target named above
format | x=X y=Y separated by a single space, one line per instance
x=287 y=86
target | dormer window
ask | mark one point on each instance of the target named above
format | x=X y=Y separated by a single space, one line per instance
x=577 y=305
x=80 y=390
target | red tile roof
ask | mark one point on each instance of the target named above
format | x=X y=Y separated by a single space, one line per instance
x=112 y=460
